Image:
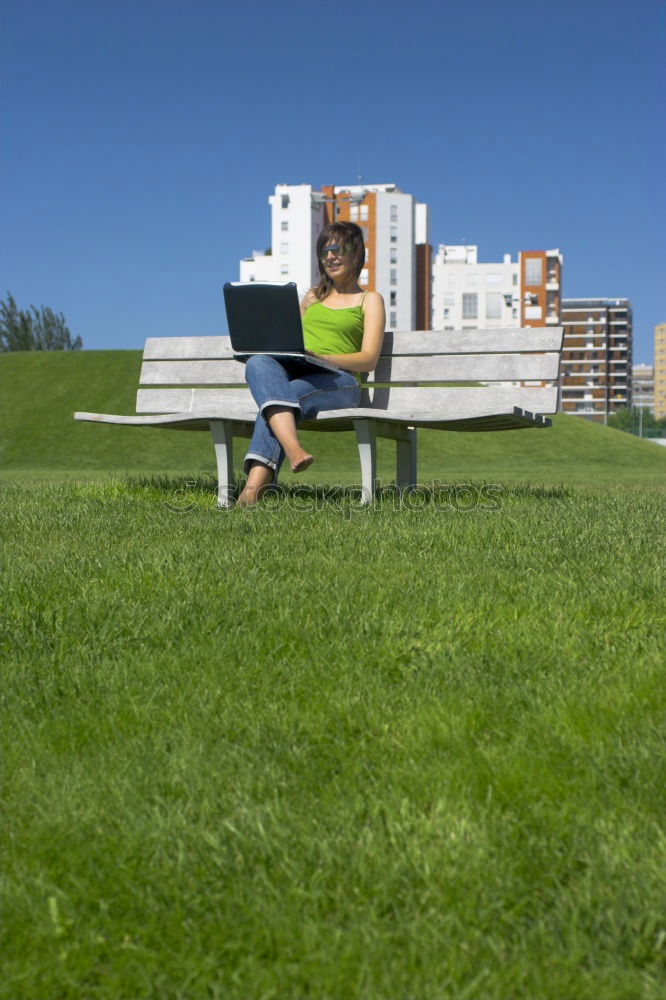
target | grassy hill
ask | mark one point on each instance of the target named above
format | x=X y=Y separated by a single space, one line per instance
x=39 y=392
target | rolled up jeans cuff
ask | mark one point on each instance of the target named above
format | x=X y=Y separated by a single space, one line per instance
x=253 y=456
x=289 y=403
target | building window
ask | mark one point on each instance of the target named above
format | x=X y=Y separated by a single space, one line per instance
x=394 y=255
x=449 y=300
x=446 y=313
x=353 y=213
x=394 y=276
x=285 y=201
x=394 y=234
x=394 y=213
x=493 y=305
x=392 y=319
x=533 y=270
x=284 y=248
x=470 y=308
x=515 y=278
x=364 y=213
x=284 y=226
x=394 y=296
x=284 y=268
x=472 y=280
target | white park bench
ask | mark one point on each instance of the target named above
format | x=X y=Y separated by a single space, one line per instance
x=194 y=383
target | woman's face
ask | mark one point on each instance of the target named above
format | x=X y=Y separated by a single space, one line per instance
x=336 y=260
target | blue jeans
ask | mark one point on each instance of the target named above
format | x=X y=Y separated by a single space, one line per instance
x=306 y=391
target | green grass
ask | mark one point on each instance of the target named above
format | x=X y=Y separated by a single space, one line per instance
x=408 y=751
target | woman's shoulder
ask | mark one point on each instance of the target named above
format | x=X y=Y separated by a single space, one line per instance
x=371 y=298
x=308 y=299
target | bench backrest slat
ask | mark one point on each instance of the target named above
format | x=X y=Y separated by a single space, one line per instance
x=452 y=367
x=410 y=343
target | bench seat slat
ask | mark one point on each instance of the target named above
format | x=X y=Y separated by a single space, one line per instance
x=332 y=420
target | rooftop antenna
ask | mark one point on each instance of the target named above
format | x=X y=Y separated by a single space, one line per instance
x=359 y=175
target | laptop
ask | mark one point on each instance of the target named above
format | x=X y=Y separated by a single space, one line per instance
x=265 y=318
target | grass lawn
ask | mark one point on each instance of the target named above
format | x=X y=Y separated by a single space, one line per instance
x=329 y=752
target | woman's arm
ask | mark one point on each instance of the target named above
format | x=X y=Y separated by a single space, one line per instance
x=374 y=322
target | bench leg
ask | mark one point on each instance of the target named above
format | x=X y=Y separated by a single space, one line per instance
x=366 y=438
x=223 y=440
x=405 y=465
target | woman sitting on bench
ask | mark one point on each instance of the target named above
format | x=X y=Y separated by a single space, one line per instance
x=342 y=323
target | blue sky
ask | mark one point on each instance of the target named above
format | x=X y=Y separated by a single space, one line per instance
x=143 y=137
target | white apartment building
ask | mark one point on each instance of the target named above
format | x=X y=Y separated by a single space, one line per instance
x=395 y=229
x=297 y=218
x=468 y=295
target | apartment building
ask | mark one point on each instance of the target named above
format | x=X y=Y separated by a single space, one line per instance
x=642 y=387
x=468 y=294
x=660 y=371
x=395 y=229
x=596 y=356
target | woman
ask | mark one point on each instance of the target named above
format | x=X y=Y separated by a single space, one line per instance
x=342 y=323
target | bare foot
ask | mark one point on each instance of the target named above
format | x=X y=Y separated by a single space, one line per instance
x=247 y=498
x=259 y=479
x=299 y=463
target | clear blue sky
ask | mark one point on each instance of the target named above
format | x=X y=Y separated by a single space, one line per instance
x=141 y=139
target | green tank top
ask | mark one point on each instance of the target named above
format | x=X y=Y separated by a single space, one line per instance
x=333 y=331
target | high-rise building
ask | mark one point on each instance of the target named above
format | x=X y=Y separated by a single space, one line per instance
x=642 y=387
x=660 y=371
x=596 y=356
x=395 y=229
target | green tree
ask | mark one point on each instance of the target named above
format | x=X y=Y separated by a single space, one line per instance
x=622 y=419
x=34 y=329
x=628 y=419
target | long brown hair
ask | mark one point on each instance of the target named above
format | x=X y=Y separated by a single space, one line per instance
x=349 y=237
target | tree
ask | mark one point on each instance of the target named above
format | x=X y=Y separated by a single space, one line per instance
x=34 y=329
x=628 y=419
